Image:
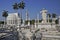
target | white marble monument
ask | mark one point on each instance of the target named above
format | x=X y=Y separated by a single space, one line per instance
x=13 y=19
x=44 y=14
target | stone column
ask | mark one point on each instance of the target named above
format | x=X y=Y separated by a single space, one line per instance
x=29 y=22
x=35 y=23
x=38 y=18
x=27 y=16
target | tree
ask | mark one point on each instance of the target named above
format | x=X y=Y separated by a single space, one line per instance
x=40 y=20
x=57 y=21
x=54 y=15
x=48 y=15
x=1 y=22
x=5 y=14
x=21 y=5
x=15 y=7
x=32 y=22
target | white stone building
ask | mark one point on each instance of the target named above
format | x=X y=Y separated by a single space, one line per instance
x=13 y=19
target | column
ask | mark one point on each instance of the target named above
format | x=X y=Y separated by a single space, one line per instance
x=27 y=15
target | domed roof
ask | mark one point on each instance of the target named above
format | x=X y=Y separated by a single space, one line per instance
x=11 y=17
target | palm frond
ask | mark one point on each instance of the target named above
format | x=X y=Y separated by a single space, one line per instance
x=21 y=5
x=15 y=6
x=5 y=13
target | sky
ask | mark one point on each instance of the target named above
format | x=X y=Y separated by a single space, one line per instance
x=33 y=6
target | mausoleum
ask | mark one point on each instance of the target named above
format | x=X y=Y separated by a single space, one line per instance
x=13 y=19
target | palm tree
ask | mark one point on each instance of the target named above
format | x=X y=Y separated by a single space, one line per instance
x=21 y=5
x=48 y=15
x=15 y=7
x=5 y=14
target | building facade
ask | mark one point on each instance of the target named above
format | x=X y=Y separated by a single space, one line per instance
x=13 y=19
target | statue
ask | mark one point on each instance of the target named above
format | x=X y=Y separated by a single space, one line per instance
x=44 y=12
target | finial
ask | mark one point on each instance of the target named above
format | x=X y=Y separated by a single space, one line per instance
x=27 y=16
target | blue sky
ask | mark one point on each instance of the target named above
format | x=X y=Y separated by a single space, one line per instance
x=33 y=6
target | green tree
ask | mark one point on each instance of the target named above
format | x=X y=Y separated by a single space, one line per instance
x=49 y=15
x=40 y=21
x=32 y=22
x=1 y=22
x=21 y=5
x=57 y=21
x=26 y=22
x=54 y=15
x=5 y=14
x=15 y=6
